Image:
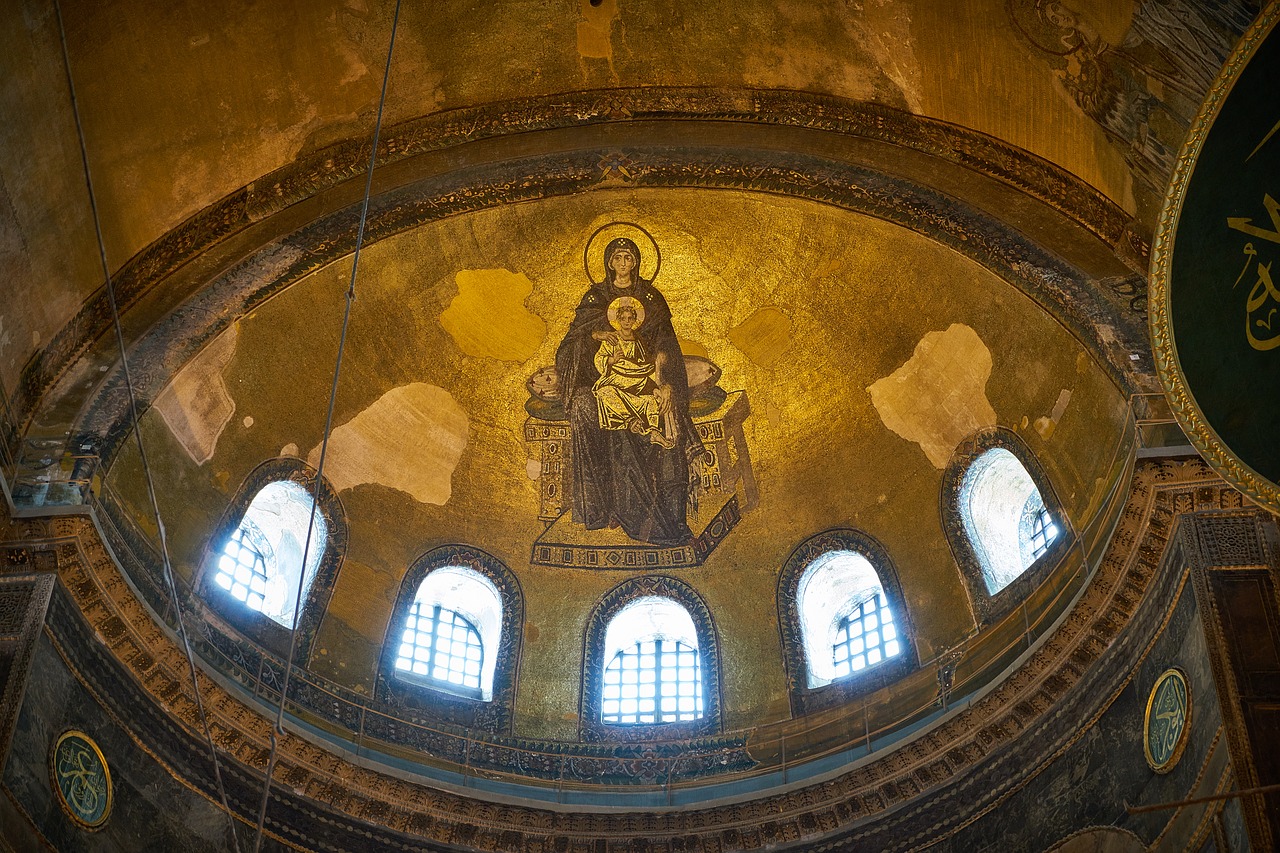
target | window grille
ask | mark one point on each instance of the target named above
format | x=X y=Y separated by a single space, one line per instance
x=242 y=566
x=442 y=646
x=654 y=681
x=1043 y=532
x=865 y=637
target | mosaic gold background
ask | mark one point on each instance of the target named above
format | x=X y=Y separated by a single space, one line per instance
x=455 y=316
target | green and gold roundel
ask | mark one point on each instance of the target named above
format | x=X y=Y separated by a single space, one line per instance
x=82 y=779
x=1168 y=721
x=1215 y=280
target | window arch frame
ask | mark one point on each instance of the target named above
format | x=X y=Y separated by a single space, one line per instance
x=805 y=699
x=257 y=626
x=590 y=727
x=412 y=697
x=988 y=607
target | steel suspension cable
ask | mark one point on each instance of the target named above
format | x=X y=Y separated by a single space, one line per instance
x=166 y=563
x=277 y=730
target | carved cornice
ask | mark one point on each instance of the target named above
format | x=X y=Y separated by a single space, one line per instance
x=981 y=754
x=1058 y=288
x=639 y=112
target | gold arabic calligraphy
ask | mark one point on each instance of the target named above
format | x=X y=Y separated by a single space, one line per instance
x=81 y=780
x=1261 y=327
x=1168 y=719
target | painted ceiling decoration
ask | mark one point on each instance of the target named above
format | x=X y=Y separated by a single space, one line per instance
x=679 y=350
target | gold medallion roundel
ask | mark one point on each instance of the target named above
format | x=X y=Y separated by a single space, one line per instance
x=1168 y=721
x=81 y=778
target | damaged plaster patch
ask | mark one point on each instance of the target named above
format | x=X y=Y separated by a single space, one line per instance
x=763 y=337
x=488 y=318
x=196 y=405
x=410 y=439
x=939 y=395
x=1046 y=426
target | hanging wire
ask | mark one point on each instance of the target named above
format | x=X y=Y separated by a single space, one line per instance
x=277 y=730
x=137 y=432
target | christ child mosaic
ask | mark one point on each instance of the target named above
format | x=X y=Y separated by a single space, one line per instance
x=641 y=449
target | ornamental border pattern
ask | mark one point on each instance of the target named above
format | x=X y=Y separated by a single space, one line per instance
x=345 y=161
x=1190 y=418
x=405 y=698
x=1046 y=688
x=805 y=699
x=988 y=608
x=1058 y=288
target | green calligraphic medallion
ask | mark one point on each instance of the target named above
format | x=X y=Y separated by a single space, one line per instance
x=82 y=779
x=1168 y=721
x=1215 y=272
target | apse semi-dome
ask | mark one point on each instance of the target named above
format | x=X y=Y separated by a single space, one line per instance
x=724 y=432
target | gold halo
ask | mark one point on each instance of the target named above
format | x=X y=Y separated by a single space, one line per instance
x=626 y=300
x=651 y=261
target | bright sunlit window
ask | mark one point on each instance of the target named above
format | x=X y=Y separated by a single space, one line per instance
x=450 y=638
x=1005 y=517
x=262 y=563
x=654 y=670
x=865 y=637
x=845 y=618
x=442 y=645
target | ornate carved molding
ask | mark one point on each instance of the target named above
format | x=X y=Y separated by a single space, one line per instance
x=640 y=111
x=806 y=699
x=987 y=608
x=980 y=754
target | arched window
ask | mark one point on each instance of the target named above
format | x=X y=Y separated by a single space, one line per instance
x=263 y=561
x=452 y=646
x=844 y=625
x=1005 y=517
x=845 y=617
x=450 y=639
x=651 y=667
x=1006 y=527
x=259 y=554
x=654 y=670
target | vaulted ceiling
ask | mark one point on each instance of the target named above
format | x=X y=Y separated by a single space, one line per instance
x=890 y=226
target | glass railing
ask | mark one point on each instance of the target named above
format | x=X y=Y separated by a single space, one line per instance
x=46 y=477
x=51 y=477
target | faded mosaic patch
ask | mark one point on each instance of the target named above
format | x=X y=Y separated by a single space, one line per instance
x=764 y=337
x=488 y=318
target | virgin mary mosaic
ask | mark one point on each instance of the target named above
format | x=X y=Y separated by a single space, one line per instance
x=634 y=436
x=626 y=396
